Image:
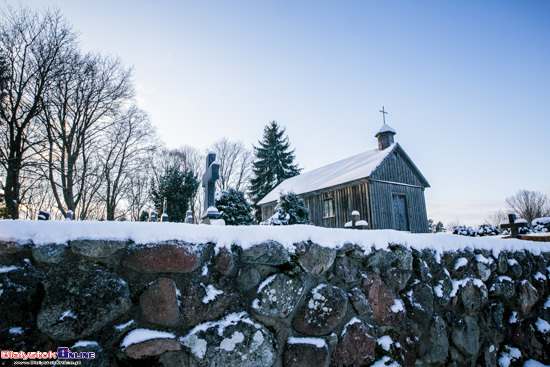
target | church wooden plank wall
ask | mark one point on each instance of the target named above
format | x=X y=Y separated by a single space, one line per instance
x=346 y=199
x=396 y=168
x=381 y=201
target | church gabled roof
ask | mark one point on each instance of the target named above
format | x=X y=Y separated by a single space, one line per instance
x=349 y=169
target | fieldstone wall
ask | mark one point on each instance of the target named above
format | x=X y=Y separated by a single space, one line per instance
x=180 y=304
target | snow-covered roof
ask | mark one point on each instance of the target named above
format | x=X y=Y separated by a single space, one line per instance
x=385 y=129
x=346 y=170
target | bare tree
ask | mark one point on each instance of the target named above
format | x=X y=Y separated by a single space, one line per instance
x=76 y=111
x=127 y=143
x=32 y=45
x=529 y=204
x=235 y=164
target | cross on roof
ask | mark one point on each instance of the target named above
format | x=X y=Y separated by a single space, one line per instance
x=384 y=113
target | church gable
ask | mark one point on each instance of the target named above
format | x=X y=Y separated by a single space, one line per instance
x=398 y=167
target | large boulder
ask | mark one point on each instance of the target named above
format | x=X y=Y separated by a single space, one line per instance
x=79 y=303
x=206 y=302
x=387 y=308
x=317 y=259
x=322 y=311
x=465 y=336
x=437 y=343
x=159 y=304
x=52 y=253
x=167 y=257
x=97 y=248
x=235 y=340
x=356 y=346
x=279 y=295
x=267 y=253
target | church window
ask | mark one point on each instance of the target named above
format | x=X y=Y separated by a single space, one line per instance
x=328 y=208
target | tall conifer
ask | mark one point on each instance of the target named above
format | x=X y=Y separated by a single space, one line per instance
x=273 y=163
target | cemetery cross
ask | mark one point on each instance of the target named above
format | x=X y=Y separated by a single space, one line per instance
x=209 y=183
x=513 y=225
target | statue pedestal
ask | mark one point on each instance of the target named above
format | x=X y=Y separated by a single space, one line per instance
x=210 y=215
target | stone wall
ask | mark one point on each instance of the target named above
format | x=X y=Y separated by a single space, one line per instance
x=178 y=304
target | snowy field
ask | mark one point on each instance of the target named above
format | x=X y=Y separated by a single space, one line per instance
x=44 y=232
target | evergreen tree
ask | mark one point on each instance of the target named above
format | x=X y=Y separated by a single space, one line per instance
x=273 y=163
x=178 y=187
x=233 y=208
x=144 y=217
x=290 y=210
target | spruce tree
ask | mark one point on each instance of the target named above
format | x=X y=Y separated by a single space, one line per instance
x=273 y=163
x=233 y=208
x=292 y=210
x=178 y=187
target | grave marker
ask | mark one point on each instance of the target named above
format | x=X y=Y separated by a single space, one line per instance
x=164 y=217
x=209 y=184
x=514 y=224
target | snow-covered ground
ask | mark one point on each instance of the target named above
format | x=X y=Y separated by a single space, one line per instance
x=44 y=232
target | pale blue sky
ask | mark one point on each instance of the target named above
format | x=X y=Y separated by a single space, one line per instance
x=466 y=83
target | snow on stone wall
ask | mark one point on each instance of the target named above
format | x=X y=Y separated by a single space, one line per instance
x=176 y=294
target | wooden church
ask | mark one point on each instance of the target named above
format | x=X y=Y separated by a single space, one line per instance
x=383 y=185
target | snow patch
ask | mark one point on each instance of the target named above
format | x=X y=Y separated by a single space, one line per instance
x=385 y=342
x=540 y=276
x=461 y=263
x=43 y=232
x=543 y=326
x=141 y=335
x=317 y=342
x=266 y=282
x=67 y=313
x=481 y=259
x=511 y=355
x=211 y=294
x=354 y=320
x=16 y=330
x=397 y=306
x=7 y=269
x=85 y=343
x=513 y=318
x=124 y=326
x=438 y=289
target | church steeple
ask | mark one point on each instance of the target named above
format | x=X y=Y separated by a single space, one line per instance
x=385 y=134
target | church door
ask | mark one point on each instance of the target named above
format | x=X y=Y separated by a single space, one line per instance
x=400 y=218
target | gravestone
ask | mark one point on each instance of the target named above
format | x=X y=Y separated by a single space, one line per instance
x=153 y=216
x=356 y=223
x=44 y=215
x=164 y=217
x=514 y=224
x=189 y=217
x=209 y=184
